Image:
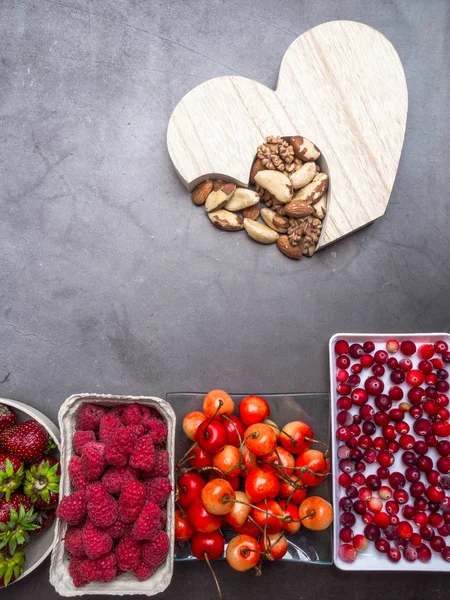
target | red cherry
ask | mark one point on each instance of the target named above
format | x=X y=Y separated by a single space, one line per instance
x=211 y=436
x=261 y=484
x=207 y=544
x=341 y=347
x=234 y=430
x=190 y=487
x=199 y=459
x=201 y=519
x=183 y=527
x=267 y=516
x=254 y=409
x=425 y=351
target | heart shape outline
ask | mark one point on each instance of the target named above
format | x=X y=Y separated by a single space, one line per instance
x=342 y=85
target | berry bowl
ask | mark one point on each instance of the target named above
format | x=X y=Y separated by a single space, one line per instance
x=391 y=451
x=105 y=581
x=39 y=547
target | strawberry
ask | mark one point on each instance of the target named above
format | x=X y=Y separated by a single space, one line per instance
x=41 y=484
x=7 y=418
x=29 y=441
x=45 y=520
x=11 y=474
x=17 y=520
x=11 y=567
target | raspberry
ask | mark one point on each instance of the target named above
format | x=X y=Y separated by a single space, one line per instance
x=128 y=553
x=73 y=541
x=103 y=512
x=76 y=473
x=81 y=438
x=116 y=477
x=155 y=551
x=162 y=518
x=115 y=457
x=143 y=571
x=102 y=569
x=75 y=572
x=132 y=414
x=72 y=508
x=116 y=530
x=158 y=489
x=108 y=428
x=95 y=492
x=93 y=459
x=147 y=524
x=137 y=430
x=78 y=579
x=143 y=455
x=89 y=416
x=157 y=429
x=124 y=440
x=131 y=501
x=117 y=411
x=95 y=541
x=161 y=466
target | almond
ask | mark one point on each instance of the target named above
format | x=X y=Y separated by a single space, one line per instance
x=226 y=220
x=304 y=175
x=218 y=198
x=276 y=183
x=257 y=166
x=201 y=192
x=298 y=209
x=259 y=232
x=312 y=192
x=274 y=221
x=242 y=198
x=304 y=149
x=252 y=212
x=285 y=246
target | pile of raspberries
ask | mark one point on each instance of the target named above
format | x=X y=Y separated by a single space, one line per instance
x=117 y=514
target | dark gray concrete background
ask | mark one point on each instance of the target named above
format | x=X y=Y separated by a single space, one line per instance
x=112 y=281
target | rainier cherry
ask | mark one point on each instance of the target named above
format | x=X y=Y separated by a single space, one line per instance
x=260 y=439
x=216 y=495
x=191 y=422
x=243 y=552
x=274 y=546
x=315 y=461
x=269 y=517
x=296 y=437
x=290 y=510
x=253 y=409
x=239 y=511
x=216 y=403
x=227 y=461
x=316 y=513
x=280 y=461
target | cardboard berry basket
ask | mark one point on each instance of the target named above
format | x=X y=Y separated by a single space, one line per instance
x=126 y=583
x=370 y=559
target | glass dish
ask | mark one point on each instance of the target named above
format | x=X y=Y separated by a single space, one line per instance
x=314 y=409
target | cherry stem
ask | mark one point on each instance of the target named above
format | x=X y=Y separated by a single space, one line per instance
x=293 y=442
x=309 y=514
x=214 y=415
x=250 y=518
x=226 y=499
x=326 y=453
x=227 y=418
x=205 y=554
x=186 y=455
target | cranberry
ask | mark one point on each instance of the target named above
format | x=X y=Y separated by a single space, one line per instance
x=412 y=474
x=401 y=496
x=346 y=465
x=436 y=520
x=421 y=504
x=359 y=396
x=416 y=412
x=353 y=441
x=344 y=479
x=402 y=427
x=435 y=493
x=430 y=390
x=417 y=489
x=365 y=494
x=383 y=472
x=343 y=434
x=443 y=447
x=410 y=554
x=433 y=477
x=442 y=374
x=444 y=531
x=443 y=414
x=383 y=402
x=343 y=362
x=359 y=479
x=408 y=347
x=442 y=386
x=409 y=458
x=379 y=443
x=355 y=429
x=342 y=376
x=382 y=546
x=416 y=395
x=360 y=507
x=421 y=519
x=356 y=350
x=409 y=512
x=445 y=482
x=357 y=419
x=425 y=366
x=420 y=447
x=356 y=368
x=389 y=432
x=367 y=412
x=341 y=347
x=426 y=351
x=426 y=532
x=422 y=427
x=407 y=442
x=343 y=452
x=367 y=360
x=395 y=392
x=446 y=553
x=373 y=482
x=437 y=363
x=424 y=463
x=392 y=507
x=393 y=446
x=367 y=518
x=372 y=532
x=394 y=555
x=378 y=370
x=397 y=480
x=385 y=492
x=423 y=553
x=370 y=456
x=345 y=504
x=346 y=534
x=374 y=385
x=381 y=357
x=437 y=543
x=381 y=418
x=354 y=380
x=343 y=389
x=392 y=346
x=431 y=440
x=443 y=464
x=385 y=458
x=356 y=454
x=390 y=533
x=430 y=407
x=415 y=378
x=396 y=414
x=397 y=376
x=446 y=357
x=442 y=400
x=441 y=428
x=344 y=418
x=369 y=428
x=440 y=347
x=360 y=466
x=344 y=403
x=392 y=363
x=369 y=346
x=351 y=492
x=347 y=519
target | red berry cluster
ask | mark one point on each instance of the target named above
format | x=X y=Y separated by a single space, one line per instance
x=248 y=475
x=117 y=513
x=401 y=435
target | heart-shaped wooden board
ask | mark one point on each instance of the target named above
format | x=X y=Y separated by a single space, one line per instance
x=341 y=85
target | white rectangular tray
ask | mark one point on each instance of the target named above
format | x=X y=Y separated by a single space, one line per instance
x=126 y=583
x=371 y=560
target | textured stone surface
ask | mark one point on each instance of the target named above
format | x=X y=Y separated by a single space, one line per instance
x=112 y=281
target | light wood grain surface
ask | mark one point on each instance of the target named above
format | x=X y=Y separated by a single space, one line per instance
x=342 y=85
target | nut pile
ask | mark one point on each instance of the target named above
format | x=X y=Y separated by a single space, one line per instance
x=288 y=180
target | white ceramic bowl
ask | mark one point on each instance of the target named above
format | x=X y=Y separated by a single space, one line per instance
x=126 y=583
x=40 y=546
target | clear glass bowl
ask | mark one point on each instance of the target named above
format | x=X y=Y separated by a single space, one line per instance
x=314 y=409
